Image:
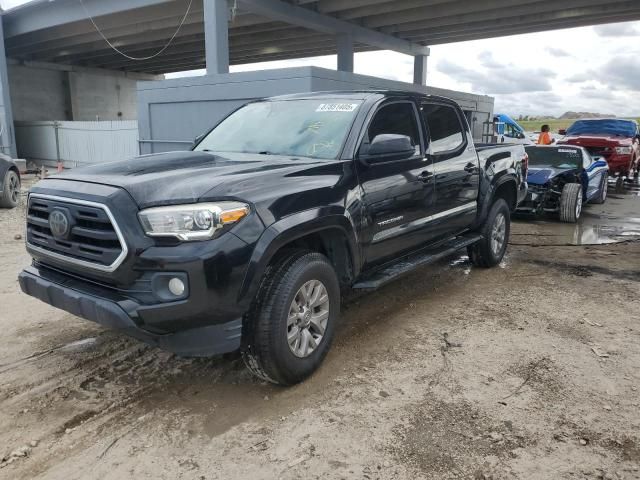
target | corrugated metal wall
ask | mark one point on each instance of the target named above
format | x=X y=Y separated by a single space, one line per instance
x=201 y=102
x=77 y=143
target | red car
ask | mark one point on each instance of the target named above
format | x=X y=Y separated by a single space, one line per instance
x=616 y=140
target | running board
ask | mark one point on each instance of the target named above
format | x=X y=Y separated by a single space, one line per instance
x=412 y=262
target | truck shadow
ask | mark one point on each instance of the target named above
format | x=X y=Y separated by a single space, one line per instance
x=108 y=374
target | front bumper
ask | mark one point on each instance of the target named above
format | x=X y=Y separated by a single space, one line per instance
x=122 y=314
x=536 y=201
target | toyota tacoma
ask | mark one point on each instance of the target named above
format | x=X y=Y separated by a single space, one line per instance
x=247 y=241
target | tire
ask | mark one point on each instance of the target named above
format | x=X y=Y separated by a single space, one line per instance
x=602 y=195
x=571 y=203
x=10 y=190
x=489 y=251
x=266 y=350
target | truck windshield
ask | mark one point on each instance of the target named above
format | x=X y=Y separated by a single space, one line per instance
x=622 y=128
x=564 y=158
x=305 y=128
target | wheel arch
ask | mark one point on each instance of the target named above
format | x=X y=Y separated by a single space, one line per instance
x=504 y=187
x=331 y=234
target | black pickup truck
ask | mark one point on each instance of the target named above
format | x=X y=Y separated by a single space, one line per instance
x=247 y=241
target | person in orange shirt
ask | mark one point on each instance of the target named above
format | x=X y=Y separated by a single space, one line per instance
x=545 y=136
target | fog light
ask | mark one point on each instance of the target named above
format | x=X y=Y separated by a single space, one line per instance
x=176 y=286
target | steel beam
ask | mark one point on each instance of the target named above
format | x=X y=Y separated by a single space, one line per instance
x=47 y=14
x=420 y=69
x=534 y=27
x=216 y=35
x=344 y=42
x=285 y=12
x=7 y=135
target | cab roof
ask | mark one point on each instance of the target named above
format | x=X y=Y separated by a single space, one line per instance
x=359 y=95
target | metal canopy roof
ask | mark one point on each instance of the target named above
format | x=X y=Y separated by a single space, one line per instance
x=261 y=30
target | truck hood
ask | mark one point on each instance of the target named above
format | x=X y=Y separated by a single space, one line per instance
x=540 y=176
x=593 y=140
x=189 y=177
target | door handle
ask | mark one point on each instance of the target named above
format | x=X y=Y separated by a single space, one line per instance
x=425 y=176
x=470 y=167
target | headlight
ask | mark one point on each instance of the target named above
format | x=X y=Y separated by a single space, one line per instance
x=623 y=150
x=198 y=221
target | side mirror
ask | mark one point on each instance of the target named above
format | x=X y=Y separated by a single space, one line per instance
x=562 y=131
x=387 y=147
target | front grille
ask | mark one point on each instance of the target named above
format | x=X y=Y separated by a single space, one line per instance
x=92 y=239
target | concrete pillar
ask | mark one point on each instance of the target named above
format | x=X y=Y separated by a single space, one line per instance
x=7 y=137
x=344 y=42
x=420 y=69
x=216 y=35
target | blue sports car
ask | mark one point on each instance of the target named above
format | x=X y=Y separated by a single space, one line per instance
x=562 y=179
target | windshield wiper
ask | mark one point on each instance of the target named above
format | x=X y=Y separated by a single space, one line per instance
x=265 y=152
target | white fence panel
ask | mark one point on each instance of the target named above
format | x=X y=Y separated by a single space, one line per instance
x=36 y=140
x=77 y=143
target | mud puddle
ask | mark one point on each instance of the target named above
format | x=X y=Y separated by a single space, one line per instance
x=615 y=221
x=548 y=233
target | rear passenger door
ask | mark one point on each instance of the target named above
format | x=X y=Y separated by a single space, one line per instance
x=398 y=194
x=455 y=165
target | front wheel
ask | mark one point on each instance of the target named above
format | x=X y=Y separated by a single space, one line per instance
x=489 y=251
x=571 y=203
x=11 y=190
x=289 y=329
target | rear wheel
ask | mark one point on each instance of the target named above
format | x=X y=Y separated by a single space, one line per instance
x=292 y=322
x=10 y=190
x=571 y=203
x=602 y=195
x=489 y=251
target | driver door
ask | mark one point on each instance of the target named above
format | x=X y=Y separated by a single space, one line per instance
x=398 y=195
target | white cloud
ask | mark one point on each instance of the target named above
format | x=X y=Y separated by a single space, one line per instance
x=557 y=64
x=558 y=52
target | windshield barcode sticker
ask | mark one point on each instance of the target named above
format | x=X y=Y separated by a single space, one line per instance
x=337 y=107
x=567 y=150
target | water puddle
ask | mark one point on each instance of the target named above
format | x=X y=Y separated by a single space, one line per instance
x=79 y=345
x=615 y=221
x=580 y=234
x=462 y=262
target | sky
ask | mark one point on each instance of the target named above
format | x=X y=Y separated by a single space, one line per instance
x=587 y=69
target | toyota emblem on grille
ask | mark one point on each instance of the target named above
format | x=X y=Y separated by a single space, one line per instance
x=59 y=224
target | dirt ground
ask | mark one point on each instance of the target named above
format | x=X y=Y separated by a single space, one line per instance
x=527 y=371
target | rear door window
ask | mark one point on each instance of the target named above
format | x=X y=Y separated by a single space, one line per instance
x=445 y=129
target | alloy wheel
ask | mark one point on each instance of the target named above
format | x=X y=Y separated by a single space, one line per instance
x=307 y=319
x=498 y=234
x=579 y=207
x=14 y=188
